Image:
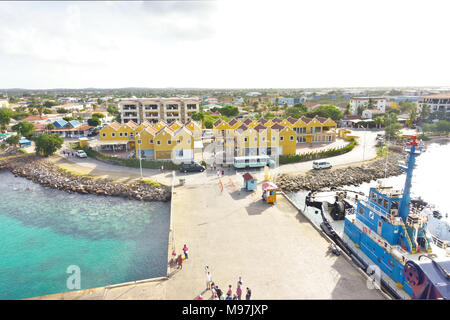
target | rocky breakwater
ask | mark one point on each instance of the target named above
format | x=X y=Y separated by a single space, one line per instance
x=44 y=172
x=354 y=175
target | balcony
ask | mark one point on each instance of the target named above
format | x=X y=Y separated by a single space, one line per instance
x=151 y=115
x=172 y=114
x=151 y=107
x=130 y=114
x=172 y=107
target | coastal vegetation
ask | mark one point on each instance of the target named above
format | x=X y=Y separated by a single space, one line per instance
x=47 y=144
x=284 y=159
x=132 y=163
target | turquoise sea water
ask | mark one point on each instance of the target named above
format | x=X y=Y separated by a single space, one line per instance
x=44 y=231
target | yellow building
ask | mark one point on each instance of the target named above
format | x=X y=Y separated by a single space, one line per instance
x=145 y=143
x=275 y=136
x=195 y=128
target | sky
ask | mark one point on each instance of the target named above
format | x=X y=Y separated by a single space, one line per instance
x=224 y=44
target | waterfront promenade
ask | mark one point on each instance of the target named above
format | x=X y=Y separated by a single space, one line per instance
x=278 y=253
x=274 y=248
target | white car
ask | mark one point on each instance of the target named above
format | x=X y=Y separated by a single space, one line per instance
x=81 y=154
x=321 y=165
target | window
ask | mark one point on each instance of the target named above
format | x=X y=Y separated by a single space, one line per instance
x=103 y=135
x=385 y=204
x=189 y=141
x=113 y=134
x=256 y=139
x=120 y=134
x=361 y=210
x=139 y=141
x=273 y=138
x=151 y=141
x=178 y=141
x=292 y=138
x=263 y=139
x=281 y=138
x=245 y=139
x=126 y=134
x=380 y=201
x=158 y=142
x=169 y=142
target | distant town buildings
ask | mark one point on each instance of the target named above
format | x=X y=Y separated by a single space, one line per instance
x=153 y=110
x=437 y=102
x=378 y=103
x=4 y=103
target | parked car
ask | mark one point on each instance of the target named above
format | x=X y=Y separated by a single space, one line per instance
x=321 y=165
x=81 y=154
x=191 y=167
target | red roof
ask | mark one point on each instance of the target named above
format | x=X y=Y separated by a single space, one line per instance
x=352 y=117
x=292 y=120
x=277 y=120
x=321 y=119
x=248 y=121
x=305 y=119
x=277 y=126
x=232 y=121
x=259 y=127
x=35 y=118
x=247 y=176
x=262 y=121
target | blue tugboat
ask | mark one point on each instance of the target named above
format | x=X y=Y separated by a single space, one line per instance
x=387 y=233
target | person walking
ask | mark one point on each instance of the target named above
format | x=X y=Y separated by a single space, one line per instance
x=239 y=292
x=239 y=282
x=229 y=297
x=162 y=168
x=223 y=172
x=230 y=290
x=248 y=294
x=174 y=257
x=208 y=280
x=185 y=250
x=213 y=291
x=180 y=262
x=219 y=292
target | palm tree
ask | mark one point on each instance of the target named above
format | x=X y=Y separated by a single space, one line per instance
x=379 y=121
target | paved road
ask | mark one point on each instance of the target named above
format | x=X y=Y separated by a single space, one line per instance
x=365 y=150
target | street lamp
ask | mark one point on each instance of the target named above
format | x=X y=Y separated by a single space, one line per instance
x=139 y=151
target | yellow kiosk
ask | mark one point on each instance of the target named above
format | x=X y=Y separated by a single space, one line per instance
x=269 y=192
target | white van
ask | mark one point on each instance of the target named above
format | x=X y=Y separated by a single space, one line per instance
x=321 y=165
x=81 y=154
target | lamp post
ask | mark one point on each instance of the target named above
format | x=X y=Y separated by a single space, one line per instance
x=139 y=150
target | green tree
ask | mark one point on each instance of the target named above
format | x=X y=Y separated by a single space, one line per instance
x=326 y=111
x=301 y=107
x=24 y=128
x=13 y=140
x=198 y=116
x=62 y=110
x=50 y=126
x=94 y=122
x=39 y=108
x=424 y=113
x=112 y=109
x=347 y=110
x=229 y=111
x=5 y=118
x=47 y=144
x=68 y=118
x=98 y=115
x=379 y=121
x=293 y=112
x=391 y=126
x=49 y=104
x=47 y=111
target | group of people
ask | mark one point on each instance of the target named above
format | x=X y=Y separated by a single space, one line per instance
x=68 y=152
x=220 y=173
x=180 y=258
x=219 y=294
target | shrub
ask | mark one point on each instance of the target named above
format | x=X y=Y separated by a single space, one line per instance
x=317 y=155
x=133 y=163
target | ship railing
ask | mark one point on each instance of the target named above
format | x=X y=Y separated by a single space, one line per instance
x=393 y=220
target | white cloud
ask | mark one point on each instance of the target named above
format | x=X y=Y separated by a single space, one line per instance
x=224 y=43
